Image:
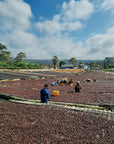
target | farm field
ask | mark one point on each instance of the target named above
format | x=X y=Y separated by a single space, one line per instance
x=47 y=124
x=28 y=124
x=30 y=73
x=101 y=91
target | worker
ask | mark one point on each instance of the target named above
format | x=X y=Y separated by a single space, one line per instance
x=70 y=82
x=53 y=83
x=44 y=94
x=77 y=87
x=88 y=80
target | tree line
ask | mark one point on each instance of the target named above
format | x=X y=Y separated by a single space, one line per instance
x=20 y=61
x=72 y=61
x=107 y=63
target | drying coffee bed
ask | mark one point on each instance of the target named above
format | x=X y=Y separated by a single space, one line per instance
x=101 y=91
x=25 y=124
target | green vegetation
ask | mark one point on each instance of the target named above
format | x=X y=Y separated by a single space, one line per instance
x=109 y=70
x=20 y=57
x=19 y=62
x=89 y=107
x=100 y=107
x=80 y=65
x=8 y=97
x=73 y=61
x=4 y=54
x=19 y=65
x=55 y=61
x=107 y=63
x=94 y=64
x=61 y=63
x=107 y=107
x=35 y=101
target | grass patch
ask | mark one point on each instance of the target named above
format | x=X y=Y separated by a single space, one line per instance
x=11 y=97
x=109 y=70
x=107 y=107
x=8 y=97
x=100 y=107
x=35 y=101
x=18 y=99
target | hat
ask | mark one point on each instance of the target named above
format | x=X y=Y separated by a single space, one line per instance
x=78 y=82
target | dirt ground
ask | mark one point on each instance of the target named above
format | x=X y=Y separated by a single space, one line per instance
x=101 y=91
x=27 y=124
x=18 y=74
x=46 y=124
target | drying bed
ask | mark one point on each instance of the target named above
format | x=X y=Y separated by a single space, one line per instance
x=25 y=124
x=47 y=124
x=101 y=91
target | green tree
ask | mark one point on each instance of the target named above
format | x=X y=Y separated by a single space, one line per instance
x=93 y=64
x=55 y=61
x=73 y=61
x=61 y=63
x=20 y=57
x=4 y=55
x=109 y=62
x=80 y=65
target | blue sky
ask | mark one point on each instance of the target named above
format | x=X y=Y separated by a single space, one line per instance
x=83 y=29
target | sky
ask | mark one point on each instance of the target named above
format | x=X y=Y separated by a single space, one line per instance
x=83 y=29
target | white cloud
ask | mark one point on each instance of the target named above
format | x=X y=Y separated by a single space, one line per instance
x=15 y=20
x=97 y=46
x=77 y=10
x=14 y=14
x=103 y=6
x=110 y=30
x=22 y=42
x=72 y=26
x=101 y=45
x=49 y=27
x=55 y=27
x=68 y=19
x=62 y=47
x=108 y=5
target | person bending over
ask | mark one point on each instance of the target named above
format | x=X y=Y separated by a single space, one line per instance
x=53 y=83
x=77 y=87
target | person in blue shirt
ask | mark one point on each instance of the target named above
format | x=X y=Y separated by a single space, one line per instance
x=44 y=93
x=53 y=83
